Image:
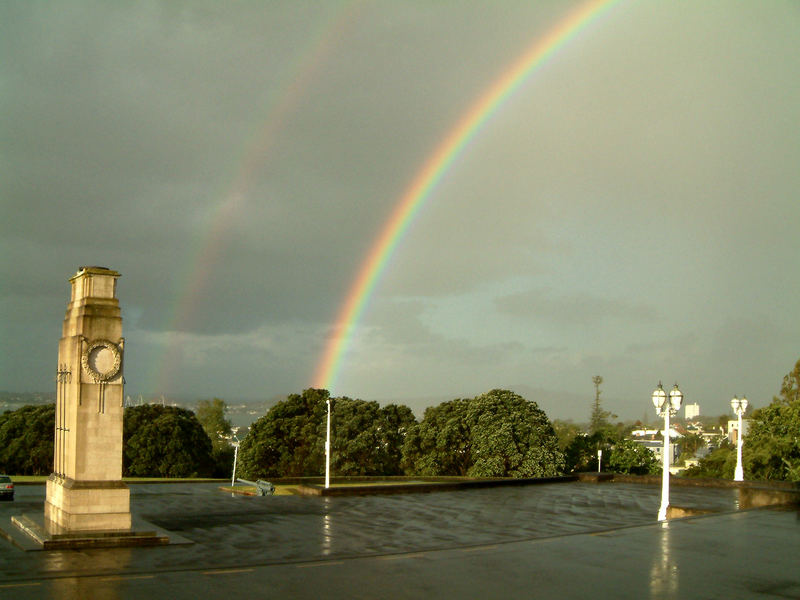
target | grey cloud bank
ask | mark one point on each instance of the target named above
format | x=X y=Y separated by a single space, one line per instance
x=631 y=211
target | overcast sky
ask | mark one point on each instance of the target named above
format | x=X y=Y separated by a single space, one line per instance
x=631 y=211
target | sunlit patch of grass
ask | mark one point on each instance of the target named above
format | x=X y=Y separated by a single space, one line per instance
x=29 y=478
x=250 y=490
x=43 y=479
x=375 y=483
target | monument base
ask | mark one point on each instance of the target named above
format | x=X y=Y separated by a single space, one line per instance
x=32 y=532
x=86 y=505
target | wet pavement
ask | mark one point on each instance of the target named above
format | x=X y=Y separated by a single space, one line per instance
x=555 y=540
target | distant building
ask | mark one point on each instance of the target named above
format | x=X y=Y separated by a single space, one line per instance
x=713 y=438
x=657 y=448
x=649 y=438
x=640 y=433
x=692 y=411
x=733 y=429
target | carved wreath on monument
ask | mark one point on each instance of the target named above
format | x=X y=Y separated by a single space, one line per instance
x=101 y=360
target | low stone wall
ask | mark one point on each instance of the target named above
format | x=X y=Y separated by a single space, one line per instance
x=706 y=482
x=753 y=494
x=756 y=497
x=420 y=485
x=595 y=477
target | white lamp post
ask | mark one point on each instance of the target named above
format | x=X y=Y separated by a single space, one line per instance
x=235 y=456
x=665 y=407
x=328 y=448
x=739 y=406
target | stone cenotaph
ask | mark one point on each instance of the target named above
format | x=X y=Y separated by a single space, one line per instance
x=85 y=491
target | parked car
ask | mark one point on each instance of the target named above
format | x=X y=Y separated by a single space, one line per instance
x=6 y=488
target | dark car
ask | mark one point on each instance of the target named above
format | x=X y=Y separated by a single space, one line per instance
x=6 y=488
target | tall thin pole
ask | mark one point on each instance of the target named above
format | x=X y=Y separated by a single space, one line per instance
x=235 y=456
x=662 y=511
x=739 y=473
x=328 y=449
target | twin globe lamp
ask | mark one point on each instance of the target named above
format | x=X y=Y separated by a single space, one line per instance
x=666 y=406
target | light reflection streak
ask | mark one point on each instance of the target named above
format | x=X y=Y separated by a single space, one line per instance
x=664 y=575
x=327 y=529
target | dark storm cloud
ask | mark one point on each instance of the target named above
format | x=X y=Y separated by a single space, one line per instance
x=581 y=309
x=236 y=163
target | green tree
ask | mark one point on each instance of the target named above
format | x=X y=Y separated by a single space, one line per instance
x=599 y=418
x=511 y=437
x=355 y=438
x=627 y=456
x=790 y=387
x=720 y=463
x=581 y=453
x=566 y=431
x=497 y=434
x=289 y=441
x=164 y=441
x=368 y=439
x=211 y=414
x=396 y=422
x=26 y=440
x=689 y=444
x=440 y=444
x=771 y=448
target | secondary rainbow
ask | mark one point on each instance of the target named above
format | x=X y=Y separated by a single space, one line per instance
x=432 y=171
x=216 y=228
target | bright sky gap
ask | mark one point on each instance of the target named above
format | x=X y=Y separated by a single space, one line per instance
x=430 y=174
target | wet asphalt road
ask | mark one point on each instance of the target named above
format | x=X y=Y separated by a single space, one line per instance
x=540 y=538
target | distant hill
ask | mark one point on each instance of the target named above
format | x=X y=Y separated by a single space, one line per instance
x=556 y=404
x=16 y=400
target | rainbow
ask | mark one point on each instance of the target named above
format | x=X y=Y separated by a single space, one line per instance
x=432 y=171
x=215 y=228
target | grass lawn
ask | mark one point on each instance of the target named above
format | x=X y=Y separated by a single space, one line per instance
x=280 y=490
x=28 y=478
x=43 y=479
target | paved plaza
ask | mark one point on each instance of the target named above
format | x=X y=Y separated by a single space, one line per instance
x=561 y=540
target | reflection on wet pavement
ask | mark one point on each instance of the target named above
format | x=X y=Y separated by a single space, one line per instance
x=236 y=531
x=664 y=575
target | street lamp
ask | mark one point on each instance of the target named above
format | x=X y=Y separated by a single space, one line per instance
x=739 y=406
x=665 y=407
x=328 y=448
